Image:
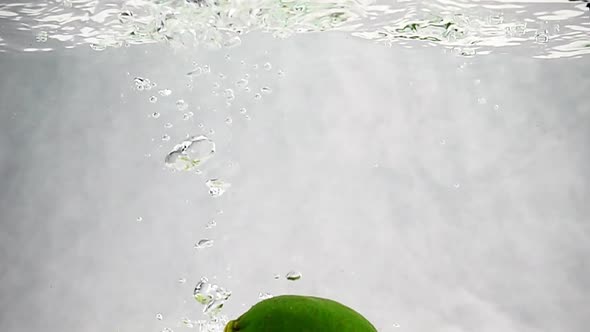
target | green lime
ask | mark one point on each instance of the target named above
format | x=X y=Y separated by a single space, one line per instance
x=294 y=313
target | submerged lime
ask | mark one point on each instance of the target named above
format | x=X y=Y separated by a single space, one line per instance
x=294 y=313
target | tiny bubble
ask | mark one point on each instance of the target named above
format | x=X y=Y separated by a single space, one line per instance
x=181 y=105
x=293 y=275
x=165 y=92
x=204 y=243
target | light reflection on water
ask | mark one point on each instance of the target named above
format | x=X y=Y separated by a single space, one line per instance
x=546 y=29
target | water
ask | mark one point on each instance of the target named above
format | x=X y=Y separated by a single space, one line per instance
x=470 y=29
x=421 y=161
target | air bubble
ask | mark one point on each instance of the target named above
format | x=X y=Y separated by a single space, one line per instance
x=468 y=52
x=229 y=94
x=299 y=8
x=165 y=92
x=181 y=105
x=97 y=47
x=197 y=71
x=142 y=83
x=125 y=16
x=542 y=37
x=217 y=187
x=187 y=322
x=204 y=243
x=190 y=153
x=293 y=275
x=242 y=83
x=211 y=296
x=41 y=37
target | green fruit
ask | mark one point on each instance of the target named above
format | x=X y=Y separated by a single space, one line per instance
x=293 y=313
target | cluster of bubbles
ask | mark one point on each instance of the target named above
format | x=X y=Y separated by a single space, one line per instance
x=211 y=296
x=462 y=25
x=192 y=154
